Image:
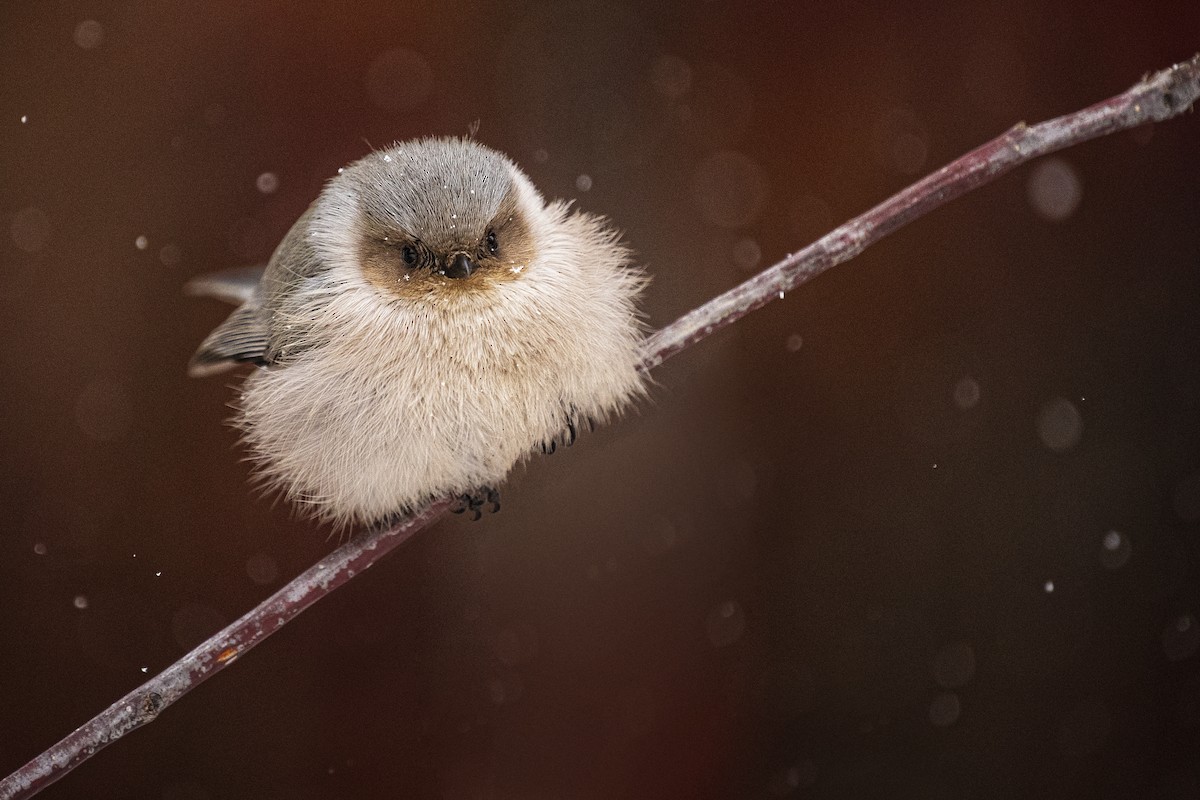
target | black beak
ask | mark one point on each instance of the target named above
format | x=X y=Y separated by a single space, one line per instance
x=460 y=266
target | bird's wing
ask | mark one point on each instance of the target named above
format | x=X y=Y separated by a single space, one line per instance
x=246 y=335
x=240 y=339
x=243 y=336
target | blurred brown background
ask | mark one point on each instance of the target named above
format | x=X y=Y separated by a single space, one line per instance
x=925 y=529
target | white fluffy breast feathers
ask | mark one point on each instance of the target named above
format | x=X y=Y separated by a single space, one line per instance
x=431 y=321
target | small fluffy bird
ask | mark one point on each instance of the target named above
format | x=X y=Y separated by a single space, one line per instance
x=427 y=323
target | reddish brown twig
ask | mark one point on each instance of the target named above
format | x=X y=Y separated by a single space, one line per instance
x=1158 y=97
x=146 y=702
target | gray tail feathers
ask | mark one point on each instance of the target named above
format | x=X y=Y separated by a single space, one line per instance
x=234 y=286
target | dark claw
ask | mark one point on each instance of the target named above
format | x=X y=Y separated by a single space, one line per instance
x=475 y=502
x=591 y=425
x=549 y=447
x=570 y=439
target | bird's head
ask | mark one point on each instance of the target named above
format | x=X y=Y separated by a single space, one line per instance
x=434 y=216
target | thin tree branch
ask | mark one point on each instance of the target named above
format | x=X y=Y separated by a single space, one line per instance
x=1156 y=98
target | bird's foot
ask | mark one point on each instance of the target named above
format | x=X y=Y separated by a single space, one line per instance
x=569 y=435
x=475 y=502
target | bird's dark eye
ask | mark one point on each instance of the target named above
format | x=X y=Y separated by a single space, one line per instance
x=492 y=243
x=409 y=254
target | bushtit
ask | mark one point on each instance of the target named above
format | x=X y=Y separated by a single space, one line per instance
x=428 y=322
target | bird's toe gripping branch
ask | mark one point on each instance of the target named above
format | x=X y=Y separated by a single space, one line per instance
x=573 y=423
x=475 y=502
